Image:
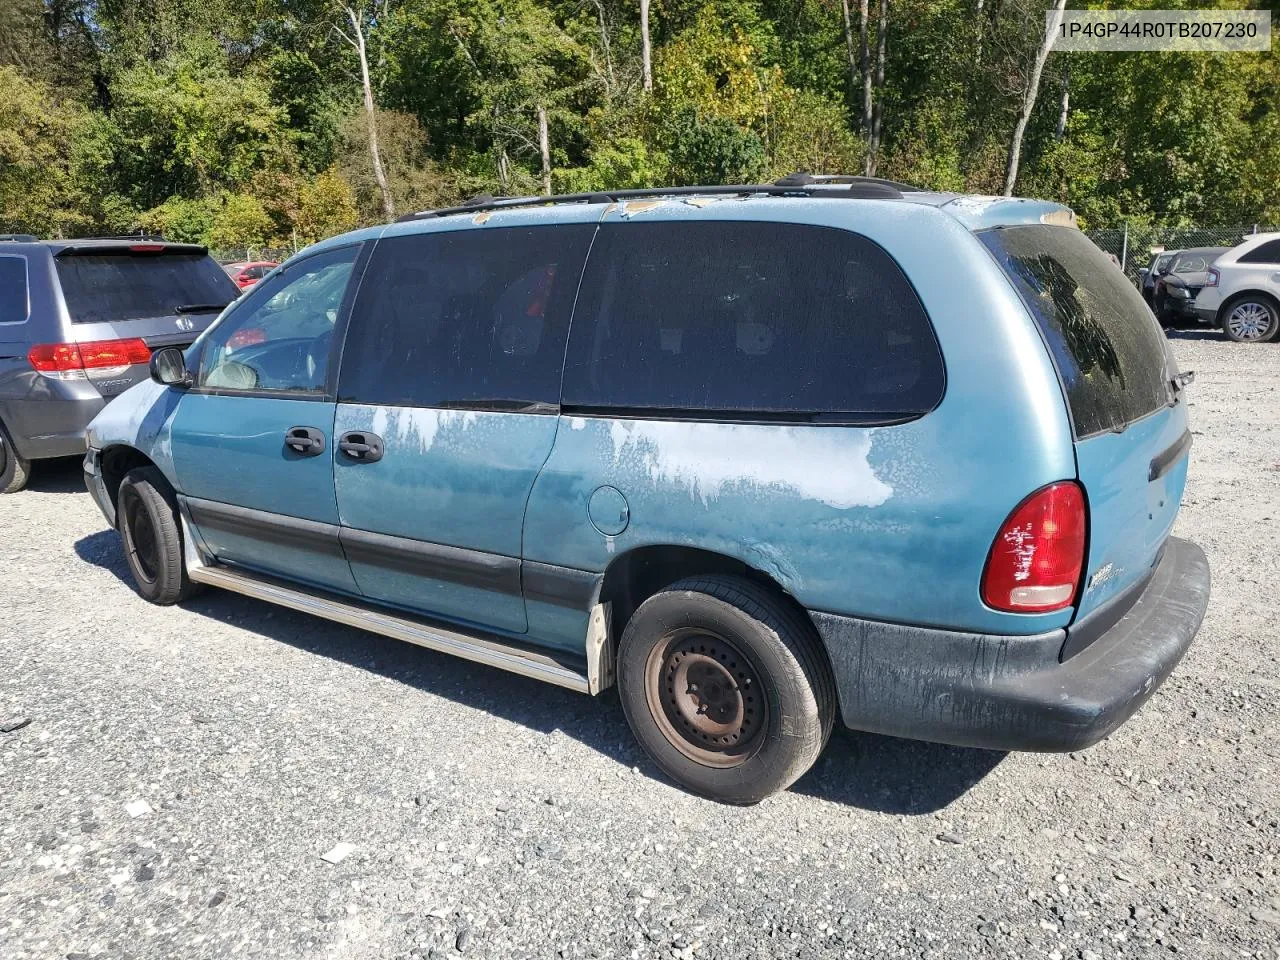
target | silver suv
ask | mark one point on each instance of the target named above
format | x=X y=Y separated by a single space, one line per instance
x=78 y=322
x=1242 y=292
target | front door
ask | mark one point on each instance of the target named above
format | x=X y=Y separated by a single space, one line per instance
x=253 y=439
x=448 y=397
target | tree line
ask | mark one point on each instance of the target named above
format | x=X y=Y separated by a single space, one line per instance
x=258 y=122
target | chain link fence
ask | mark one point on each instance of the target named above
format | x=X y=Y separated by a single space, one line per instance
x=252 y=254
x=1133 y=245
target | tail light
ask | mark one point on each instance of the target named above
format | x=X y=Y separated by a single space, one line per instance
x=1035 y=562
x=69 y=361
x=246 y=337
x=1213 y=278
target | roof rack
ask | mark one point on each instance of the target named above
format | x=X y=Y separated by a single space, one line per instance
x=795 y=184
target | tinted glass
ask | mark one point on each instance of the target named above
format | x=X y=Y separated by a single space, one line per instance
x=743 y=318
x=13 y=289
x=1197 y=261
x=279 y=338
x=1268 y=252
x=115 y=287
x=466 y=318
x=1104 y=341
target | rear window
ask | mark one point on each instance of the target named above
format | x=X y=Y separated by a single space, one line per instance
x=1268 y=252
x=750 y=319
x=112 y=287
x=13 y=289
x=1108 y=349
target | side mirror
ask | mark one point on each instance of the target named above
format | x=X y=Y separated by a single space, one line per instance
x=168 y=366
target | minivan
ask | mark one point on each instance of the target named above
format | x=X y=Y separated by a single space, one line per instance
x=759 y=456
x=78 y=322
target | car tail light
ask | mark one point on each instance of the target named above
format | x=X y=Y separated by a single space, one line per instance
x=1035 y=563
x=69 y=361
x=246 y=337
x=1212 y=279
x=147 y=247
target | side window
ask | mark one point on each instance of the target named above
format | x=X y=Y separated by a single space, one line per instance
x=1268 y=252
x=279 y=337
x=13 y=290
x=749 y=319
x=467 y=318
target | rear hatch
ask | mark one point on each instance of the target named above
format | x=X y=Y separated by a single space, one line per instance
x=1117 y=373
x=164 y=294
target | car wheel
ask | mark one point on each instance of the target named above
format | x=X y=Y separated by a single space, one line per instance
x=726 y=687
x=1251 y=319
x=147 y=516
x=15 y=470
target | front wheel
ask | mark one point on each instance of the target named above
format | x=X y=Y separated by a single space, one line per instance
x=726 y=687
x=147 y=515
x=1251 y=319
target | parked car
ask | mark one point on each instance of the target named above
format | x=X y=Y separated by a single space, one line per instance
x=1177 y=288
x=78 y=322
x=756 y=491
x=1241 y=294
x=246 y=274
x=1153 y=271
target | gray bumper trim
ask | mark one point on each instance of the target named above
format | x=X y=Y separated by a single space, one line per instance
x=1011 y=693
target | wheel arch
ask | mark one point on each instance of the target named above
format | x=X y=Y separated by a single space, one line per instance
x=636 y=575
x=116 y=461
x=1233 y=299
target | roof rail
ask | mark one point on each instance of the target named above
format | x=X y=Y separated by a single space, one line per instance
x=796 y=184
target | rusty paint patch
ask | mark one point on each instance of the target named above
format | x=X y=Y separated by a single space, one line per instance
x=482 y=216
x=701 y=202
x=631 y=208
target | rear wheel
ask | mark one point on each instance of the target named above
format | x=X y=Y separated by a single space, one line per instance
x=1252 y=318
x=726 y=687
x=147 y=515
x=14 y=469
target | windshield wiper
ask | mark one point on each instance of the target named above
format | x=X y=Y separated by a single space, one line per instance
x=201 y=308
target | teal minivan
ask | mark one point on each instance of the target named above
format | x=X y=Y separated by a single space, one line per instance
x=759 y=456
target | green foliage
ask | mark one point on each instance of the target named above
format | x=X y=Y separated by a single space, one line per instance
x=240 y=124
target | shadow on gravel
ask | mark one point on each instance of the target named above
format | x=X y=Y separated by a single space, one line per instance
x=889 y=775
x=1200 y=334
x=876 y=773
x=61 y=475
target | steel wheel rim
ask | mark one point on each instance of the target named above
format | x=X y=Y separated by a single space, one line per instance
x=143 y=546
x=706 y=697
x=1249 y=321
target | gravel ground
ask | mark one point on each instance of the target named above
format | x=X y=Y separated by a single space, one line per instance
x=494 y=817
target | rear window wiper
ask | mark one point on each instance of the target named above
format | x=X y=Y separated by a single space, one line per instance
x=201 y=308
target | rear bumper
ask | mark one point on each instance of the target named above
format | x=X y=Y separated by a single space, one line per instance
x=1206 y=316
x=50 y=426
x=1013 y=693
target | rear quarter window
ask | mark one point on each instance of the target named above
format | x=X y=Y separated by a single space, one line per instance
x=1106 y=345
x=749 y=320
x=13 y=290
x=107 y=288
x=1268 y=252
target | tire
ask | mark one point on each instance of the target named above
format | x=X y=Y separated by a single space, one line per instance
x=15 y=471
x=147 y=518
x=730 y=637
x=1250 y=318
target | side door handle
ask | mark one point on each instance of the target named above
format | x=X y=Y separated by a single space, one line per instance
x=360 y=446
x=304 y=441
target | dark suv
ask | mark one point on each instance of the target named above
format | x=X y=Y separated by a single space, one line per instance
x=78 y=322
